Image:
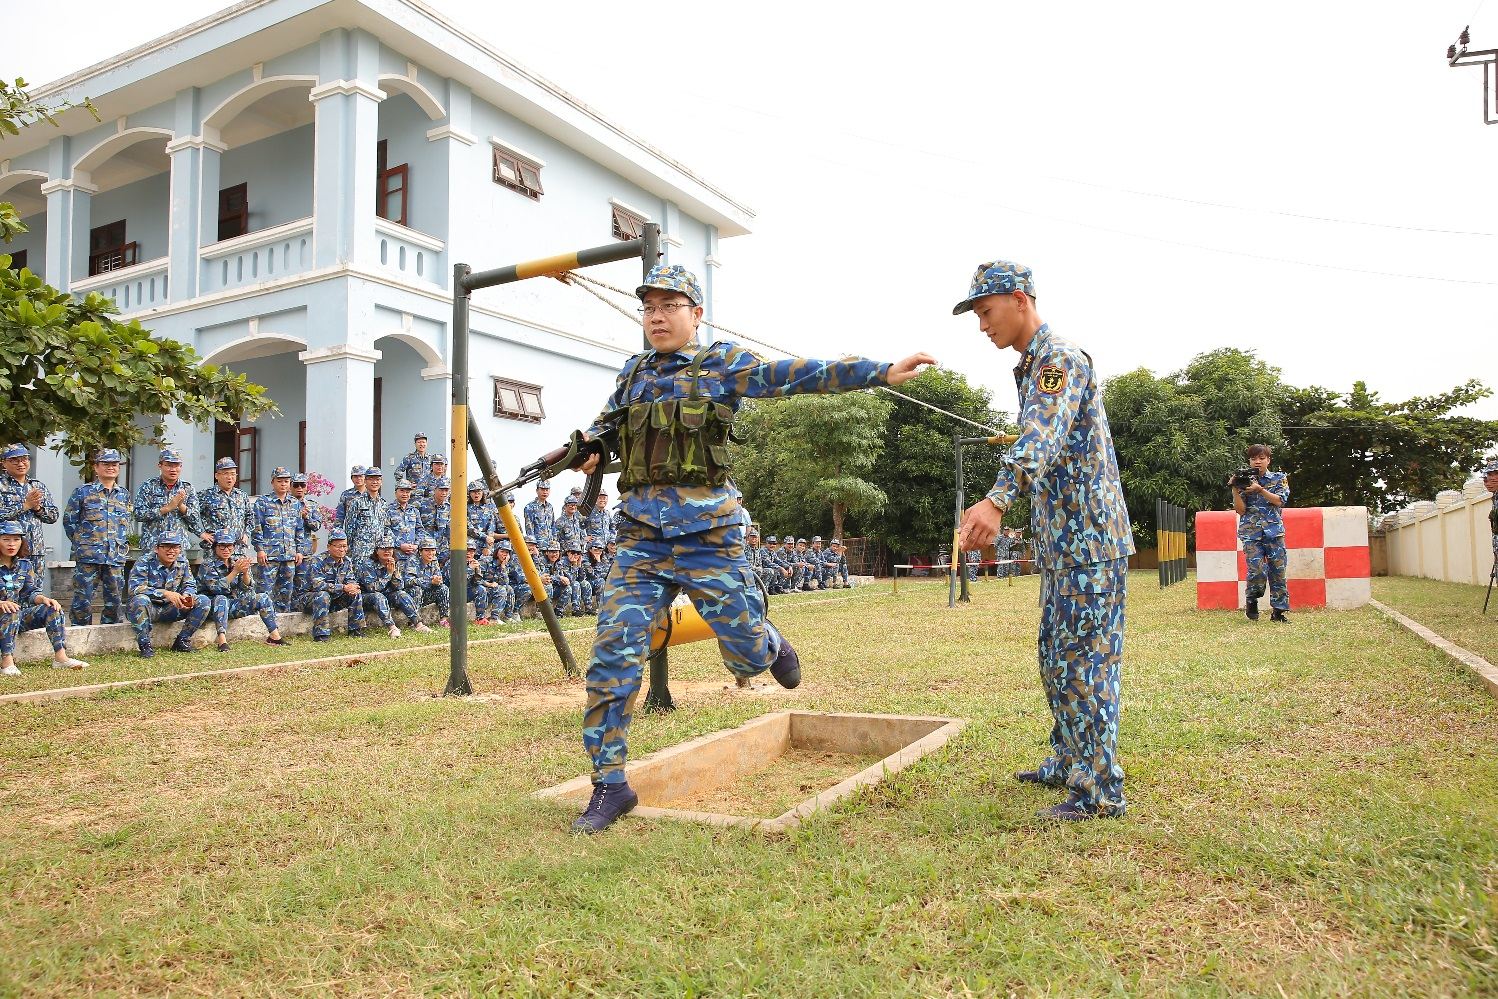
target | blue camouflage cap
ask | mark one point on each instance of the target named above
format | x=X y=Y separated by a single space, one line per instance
x=503 y=545
x=280 y=472
x=573 y=546
x=373 y=472
x=510 y=498
x=226 y=538
x=772 y=540
x=419 y=437
x=996 y=277
x=476 y=486
x=473 y=545
x=15 y=451
x=386 y=541
x=594 y=541
x=403 y=484
x=12 y=527
x=440 y=482
x=299 y=479
x=225 y=464
x=356 y=470
x=1490 y=464
x=337 y=534
x=169 y=456
x=439 y=459
x=106 y=454
x=573 y=501
x=543 y=483
x=427 y=543
x=816 y=537
x=671 y=277
x=171 y=538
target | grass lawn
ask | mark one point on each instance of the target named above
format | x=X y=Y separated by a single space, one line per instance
x=1311 y=812
x=1451 y=610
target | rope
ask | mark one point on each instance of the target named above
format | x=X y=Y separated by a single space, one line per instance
x=569 y=277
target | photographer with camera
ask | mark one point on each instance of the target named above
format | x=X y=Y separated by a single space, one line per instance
x=1258 y=495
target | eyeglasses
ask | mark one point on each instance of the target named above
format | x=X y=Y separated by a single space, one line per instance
x=669 y=309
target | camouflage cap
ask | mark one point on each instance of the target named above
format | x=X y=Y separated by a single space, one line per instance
x=552 y=545
x=337 y=534
x=543 y=483
x=171 y=538
x=356 y=470
x=225 y=538
x=441 y=482
x=373 y=472
x=15 y=451
x=225 y=465
x=419 y=437
x=772 y=540
x=595 y=542
x=280 y=472
x=815 y=538
x=169 y=456
x=476 y=486
x=403 y=484
x=671 y=277
x=473 y=545
x=510 y=498
x=753 y=531
x=439 y=459
x=386 y=541
x=106 y=454
x=573 y=546
x=572 y=501
x=12 y=527
x=427 y=543
x=836 y=542
x=299 y=479
x=503 y=545
x=1490 y=465
x=996 y=277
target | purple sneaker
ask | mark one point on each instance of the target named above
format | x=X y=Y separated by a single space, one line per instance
x=609 y=803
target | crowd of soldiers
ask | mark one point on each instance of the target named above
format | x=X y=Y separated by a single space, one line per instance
x=385 y=557
x=796 y=565
x=1012 y=556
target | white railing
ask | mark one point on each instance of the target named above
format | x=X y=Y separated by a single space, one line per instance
x=133 y=288
x=414 y=255
x=257 y=257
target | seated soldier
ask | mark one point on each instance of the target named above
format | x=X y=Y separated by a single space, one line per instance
x=162 y=590
x=385 y=588
x=582 y=585
x=333 y=585
x=503 y=569
x=23 y=606
x=481 y=594
x=840 y=563
x=228 y=584
x=426 y=579
x=560 y=578
x=598 y=565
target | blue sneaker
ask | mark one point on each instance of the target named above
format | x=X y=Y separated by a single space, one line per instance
x=146 y=650
x=786 y=669
x=609 y=803
x=1074 y=810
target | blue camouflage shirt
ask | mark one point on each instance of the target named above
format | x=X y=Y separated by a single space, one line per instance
x=19 y=582
x=226 y=511
x=728 y=374
x=151 y=578
x=1261 y=518
x=329 y=575
x=437 y=520
x=414 y=467
x=311 y=523
x=278 y=530
x=365 y=523
x=540 y=521
x=150 y=497
x=1065 y=459
x=404 y=523
x=97 y=522
x=376 y=578
x=213 y=579
x=13 y=507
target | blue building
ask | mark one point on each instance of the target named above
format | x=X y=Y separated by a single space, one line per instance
x=286 y=186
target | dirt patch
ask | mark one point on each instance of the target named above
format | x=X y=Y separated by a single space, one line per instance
x=540 y=700
x=780 y=785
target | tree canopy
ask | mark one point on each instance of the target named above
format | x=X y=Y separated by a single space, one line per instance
x=19 y=110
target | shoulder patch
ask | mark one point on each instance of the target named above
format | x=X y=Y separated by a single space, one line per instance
x=1050 y=380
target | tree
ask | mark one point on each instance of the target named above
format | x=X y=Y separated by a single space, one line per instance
x=1353 y=449
x=1178 y=436
x=807 y=458
x=68 y=368
x=17 y=111
x=915 y=467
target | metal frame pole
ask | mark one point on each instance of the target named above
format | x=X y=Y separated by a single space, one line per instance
x=457 y=564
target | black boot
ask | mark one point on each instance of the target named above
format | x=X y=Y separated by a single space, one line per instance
x=1280 y=616
x=1035 y=777
x=182 y=644
x=609 y=803
x=146 y=650
x=1253 y=608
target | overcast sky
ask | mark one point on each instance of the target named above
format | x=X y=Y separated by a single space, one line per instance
x=1158 y=165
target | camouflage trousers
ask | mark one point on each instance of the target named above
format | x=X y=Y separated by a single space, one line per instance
x=87 y=575
x=482 y=597
x=561 y=597
x=503 y=602
x=29 y=619
x=142 y=613
x=582 y=597
x=1266 y=565
x=279 y=579
x=709 y=567
x=320 y=603
x=227 y=608
x=1081 y=653
x=432 y=593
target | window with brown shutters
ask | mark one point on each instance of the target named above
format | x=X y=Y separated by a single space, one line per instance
x=627 y=225
x=517 y=173
x=518 y=401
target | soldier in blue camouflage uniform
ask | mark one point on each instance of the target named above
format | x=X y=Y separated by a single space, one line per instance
x=278 y=534
x=348 y=496
x=818 y=556
x=598 y=564
x=385 y=588
x=437 y=514
x=96 y=521
x=571 y=528
x=225 y=507
x=427 y=484
x=837 y=565
x=481 y=523
x=311 y=514
x=1262 y=531
x=754 y=554
x=540 y=518
x=23 y=606
x=403 y=522
x=1001 y=554
x=683 y=526
x=227 y=582
x=583 y=597
x=498 y=568
x=803 y=578
x=367 y=517
x=332 y=584
x=166 y=503
x=1064 y=459
x=416 y=465
x=479 y=594
x=599 y=523
x=26 y=501
x=775 y=578
x=558 y=577
x=162 y=590
x=426 y=580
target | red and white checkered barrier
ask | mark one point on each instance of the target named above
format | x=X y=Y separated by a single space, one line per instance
x=1326 y=549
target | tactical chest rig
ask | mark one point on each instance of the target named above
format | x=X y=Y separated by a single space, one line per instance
x=674 y=441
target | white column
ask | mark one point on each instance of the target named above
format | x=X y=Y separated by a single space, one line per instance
x=68 y=213
x=347 y=122
x=340 y=406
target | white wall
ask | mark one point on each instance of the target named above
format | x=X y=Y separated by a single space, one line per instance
x=1454 y=544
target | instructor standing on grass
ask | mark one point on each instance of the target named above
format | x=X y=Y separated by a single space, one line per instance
x=1064 y=459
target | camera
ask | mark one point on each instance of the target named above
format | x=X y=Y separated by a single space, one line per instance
x=1243 y=478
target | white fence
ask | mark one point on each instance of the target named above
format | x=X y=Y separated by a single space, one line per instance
x=1446 y=539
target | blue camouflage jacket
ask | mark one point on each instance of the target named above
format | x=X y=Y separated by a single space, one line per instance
x=150 y=497
x=365 y=523
x=226 y=511
x=329 y=575
x=404 y=523
x=600 y=525
x=213 y=579
x=1065 y=459
x=540 y=521
x=311 y=523
x=376 y=578
x=1261 y=518
x=570 y=529
x=421 y=573
x=414 y=467
x=437 y=520
x=279 y=530
x=481 y=524
x=345 y=503
x=151 y=578
x=13 y=507
x=97 y=521
x=728 y=374
x=19 y=582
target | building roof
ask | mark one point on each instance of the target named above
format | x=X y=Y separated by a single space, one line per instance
x=255 y=31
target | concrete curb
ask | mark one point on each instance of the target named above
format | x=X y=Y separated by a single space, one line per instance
x=1486 y=671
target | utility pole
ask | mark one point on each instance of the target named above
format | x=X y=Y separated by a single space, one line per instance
x=1460 y=55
